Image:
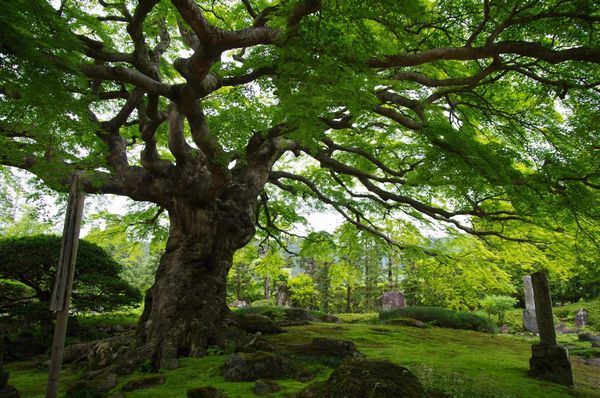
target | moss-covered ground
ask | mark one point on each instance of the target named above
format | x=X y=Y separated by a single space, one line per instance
x=460 y=363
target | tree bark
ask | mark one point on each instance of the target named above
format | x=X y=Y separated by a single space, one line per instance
x=348 y=298
x=186 y=310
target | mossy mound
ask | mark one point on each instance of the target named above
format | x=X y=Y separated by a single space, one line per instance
x=367 y=379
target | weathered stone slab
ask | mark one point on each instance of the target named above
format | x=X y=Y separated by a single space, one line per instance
x=551 y=363
x=390 y=301
x=529 y=320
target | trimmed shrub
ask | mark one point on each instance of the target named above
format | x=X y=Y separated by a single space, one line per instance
x=443 y=317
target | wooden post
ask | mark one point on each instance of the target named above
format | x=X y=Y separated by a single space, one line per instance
x=61 y=294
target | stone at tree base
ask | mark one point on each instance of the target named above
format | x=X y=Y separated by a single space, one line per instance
x=265 y=387
x=262 y=365
x=366 y=379
x=205 y=392
x=551 y=363
x=146 y=382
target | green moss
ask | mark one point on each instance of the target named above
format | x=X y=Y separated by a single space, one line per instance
x=31 y=382
x=459 y=362
x=368 y=317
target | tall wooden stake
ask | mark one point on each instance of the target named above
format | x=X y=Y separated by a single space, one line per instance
x=61 y=294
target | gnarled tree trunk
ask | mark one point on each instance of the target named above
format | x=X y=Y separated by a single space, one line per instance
x=185 y=310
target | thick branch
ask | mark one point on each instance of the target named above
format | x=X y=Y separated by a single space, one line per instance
x=527 y=49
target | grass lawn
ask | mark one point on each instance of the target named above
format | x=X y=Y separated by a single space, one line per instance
x=460 y=363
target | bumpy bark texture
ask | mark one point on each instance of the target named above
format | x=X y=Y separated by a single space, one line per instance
x=185 y=310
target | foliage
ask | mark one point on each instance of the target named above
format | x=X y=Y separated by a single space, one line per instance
x=303 y=291
x=592 y=307
x=367 y=317
x=444 y=318
x=498 y=305
x=458 y=277
x=31 y=262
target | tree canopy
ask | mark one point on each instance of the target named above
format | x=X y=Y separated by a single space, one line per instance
x=445 y=108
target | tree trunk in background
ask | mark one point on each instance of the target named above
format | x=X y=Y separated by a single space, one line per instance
x=185 y=310
x=348 y=298
x=267 y=288
x=238 y=287
x=368 y=285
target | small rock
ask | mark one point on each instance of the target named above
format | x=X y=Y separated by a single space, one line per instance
x=596 y=344
x=83 y=388
x=592 y=362
x=505 y=329
x=328 y=318
x=436 y=394
x=147 y=382
x=264 y=387
x=106 y=382
x=415 y=323
x=297 y=314
x=205 y=392
x=239 y=304
x=588 y=337
x=117 y=329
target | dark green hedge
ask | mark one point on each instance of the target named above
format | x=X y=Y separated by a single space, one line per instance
x=443 y=317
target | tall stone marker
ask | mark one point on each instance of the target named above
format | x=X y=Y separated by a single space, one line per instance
x=549 y=361
x=529 y=320
x=6 y=391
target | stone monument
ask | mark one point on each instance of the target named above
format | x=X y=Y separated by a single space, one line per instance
x=6 y=391
x=581 y=318
x=529 y=320
x=549 y=361
x=391 y=301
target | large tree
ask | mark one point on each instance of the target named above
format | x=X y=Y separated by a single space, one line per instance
x=442 y=110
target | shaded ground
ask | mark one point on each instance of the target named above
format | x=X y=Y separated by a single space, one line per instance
x=460 y=363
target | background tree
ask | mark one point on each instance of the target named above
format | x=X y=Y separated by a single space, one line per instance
x=317 y=256
x=28 y=272
x=433 y=110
